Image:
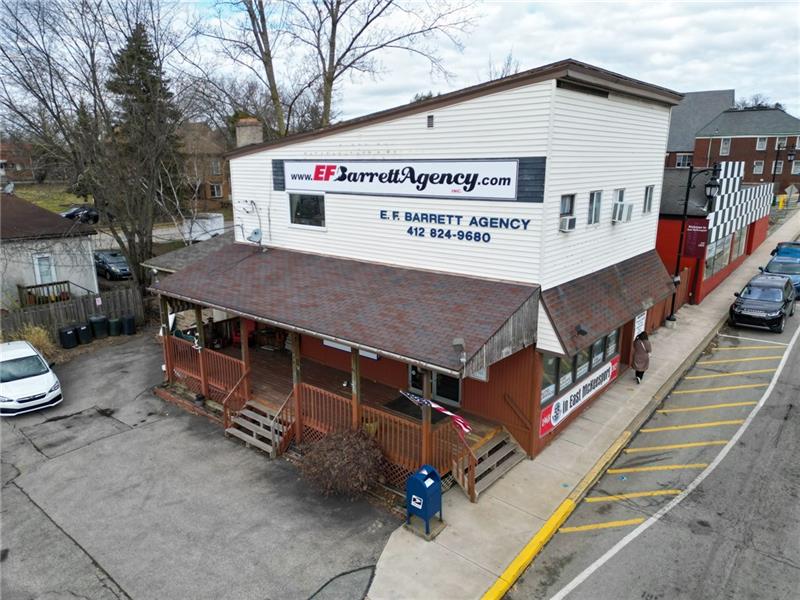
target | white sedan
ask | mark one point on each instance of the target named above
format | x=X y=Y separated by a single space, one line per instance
x=26 y=381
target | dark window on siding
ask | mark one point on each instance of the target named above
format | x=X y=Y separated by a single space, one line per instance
x=307 y=209
x=430 y=121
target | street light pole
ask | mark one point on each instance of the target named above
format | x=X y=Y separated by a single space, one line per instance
x=711 y=188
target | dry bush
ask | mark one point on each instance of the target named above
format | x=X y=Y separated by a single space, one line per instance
x=38 y=336
x=342 y=464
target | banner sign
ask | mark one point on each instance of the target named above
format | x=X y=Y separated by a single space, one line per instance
x=639 y=324
x=556 y=412
x=469 y=179
x=696 y=239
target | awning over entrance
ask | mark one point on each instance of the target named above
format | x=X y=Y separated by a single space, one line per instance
x=408 y=314
x=602 y=301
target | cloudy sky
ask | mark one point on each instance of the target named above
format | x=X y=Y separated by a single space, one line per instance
x=752 y=47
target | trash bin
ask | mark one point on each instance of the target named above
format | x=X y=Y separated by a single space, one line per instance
x=84 y=333
x=114 y=327
x=99 y=325
x=424 y=495
x=68 y=336
x=128 y=324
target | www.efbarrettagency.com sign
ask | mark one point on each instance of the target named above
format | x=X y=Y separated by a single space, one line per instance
x=554 y=414
x=472 y=179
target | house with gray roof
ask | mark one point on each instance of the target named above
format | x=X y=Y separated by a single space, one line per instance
x=695 y=110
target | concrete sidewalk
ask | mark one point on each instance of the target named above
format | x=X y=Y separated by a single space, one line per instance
x=482 y=539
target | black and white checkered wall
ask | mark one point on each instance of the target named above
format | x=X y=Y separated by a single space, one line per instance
x=736 y=206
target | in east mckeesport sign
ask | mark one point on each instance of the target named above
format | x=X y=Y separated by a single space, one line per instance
x=469 y=179
x=555 y=413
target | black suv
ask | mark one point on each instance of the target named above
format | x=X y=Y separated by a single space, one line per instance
x=111 y=265
x=82 y=214
x=765 y=301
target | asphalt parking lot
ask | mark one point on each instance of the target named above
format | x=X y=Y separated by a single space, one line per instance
x=116 y=494
x=677 y=443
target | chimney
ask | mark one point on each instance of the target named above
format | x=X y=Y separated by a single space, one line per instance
x=248 y=131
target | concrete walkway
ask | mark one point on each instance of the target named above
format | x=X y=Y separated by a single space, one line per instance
x=482 y=539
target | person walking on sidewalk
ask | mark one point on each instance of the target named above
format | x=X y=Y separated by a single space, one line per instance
x=641 y=355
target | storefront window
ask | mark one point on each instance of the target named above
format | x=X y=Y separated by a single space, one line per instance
x=566 y=375
x=611 y=344
x=597 y=352
x=307 y=209
x=718 y=256
x=549 y=378
x=582 y=363
x=739 y=243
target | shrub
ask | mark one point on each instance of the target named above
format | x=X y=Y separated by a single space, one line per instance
x=343 y=464
x=38 y=336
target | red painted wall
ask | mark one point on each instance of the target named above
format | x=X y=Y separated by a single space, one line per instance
x=669 y=232
x=757 y=233
x=384 y=370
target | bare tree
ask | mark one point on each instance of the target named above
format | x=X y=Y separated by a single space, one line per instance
x=509 y=66
x=757 y=101
x=330 y=39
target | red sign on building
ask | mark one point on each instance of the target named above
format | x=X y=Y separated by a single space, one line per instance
x=696 y=239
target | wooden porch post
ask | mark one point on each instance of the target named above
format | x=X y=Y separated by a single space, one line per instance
x=296 y=380
x=355 y=385
x=245 y=355
x=427 y=437
x=164 y=305
x=201 y=354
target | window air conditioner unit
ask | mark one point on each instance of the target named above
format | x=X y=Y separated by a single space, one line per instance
x=567 y=224
x=622 y=213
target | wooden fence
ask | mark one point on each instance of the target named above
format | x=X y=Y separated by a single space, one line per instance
x=113 y=304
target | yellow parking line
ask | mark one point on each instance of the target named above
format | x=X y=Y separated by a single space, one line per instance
x=665 y=411
x=731 y=374
x=738 y=360
x=658 y=468
x=721 y=349
x=606 y=525
x=674 y=446
x=724 y=388
x=693 y=426
x=617 y=497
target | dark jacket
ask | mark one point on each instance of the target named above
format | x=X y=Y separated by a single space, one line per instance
x=641 y=354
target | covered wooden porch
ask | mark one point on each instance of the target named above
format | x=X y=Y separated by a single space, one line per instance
x=309 y=400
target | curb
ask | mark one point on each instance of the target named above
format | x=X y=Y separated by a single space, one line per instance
x=521 y=562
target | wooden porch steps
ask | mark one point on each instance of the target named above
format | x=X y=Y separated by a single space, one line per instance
x=495 y=457
x=254 y=425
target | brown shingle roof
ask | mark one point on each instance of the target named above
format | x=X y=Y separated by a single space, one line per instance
x=22 y=220
x=605 y=300
x=170 y=262
x=409 y=313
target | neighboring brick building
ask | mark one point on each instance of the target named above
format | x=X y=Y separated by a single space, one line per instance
x=695 y=110
x=762 y=138
x=206 y=166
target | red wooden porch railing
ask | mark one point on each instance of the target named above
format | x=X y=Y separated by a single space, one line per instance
x=324 y=411
x=400 y=439
x=225 y=373
x=184 y=361
x=235 y=400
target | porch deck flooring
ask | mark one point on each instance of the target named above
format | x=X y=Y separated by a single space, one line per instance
x=271 y=384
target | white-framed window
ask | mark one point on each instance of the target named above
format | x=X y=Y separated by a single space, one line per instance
x=307 y=209
x=567 y=205
x=781 y=142
x=595 y=201
x=796 y=167
x=758 y=167
x=725 y=146
x=683 y=161
x=777 y=167
x=444 y=388
x=216 y=166
x=619 y=195
x=43 y=268
x=216 y=190
x=761 y=143
x=648 y=199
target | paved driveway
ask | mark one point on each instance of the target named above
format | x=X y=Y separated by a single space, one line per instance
x=117 y=494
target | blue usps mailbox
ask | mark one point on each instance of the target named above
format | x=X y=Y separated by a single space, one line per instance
x=424 y=495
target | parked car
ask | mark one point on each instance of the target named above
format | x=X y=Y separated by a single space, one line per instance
x=111 y=265
x=786 y=265
x=26 y=381
x=766 y=301
x=82 y=213
x=787 y=249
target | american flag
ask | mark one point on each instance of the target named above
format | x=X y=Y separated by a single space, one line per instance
x=461 y=425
